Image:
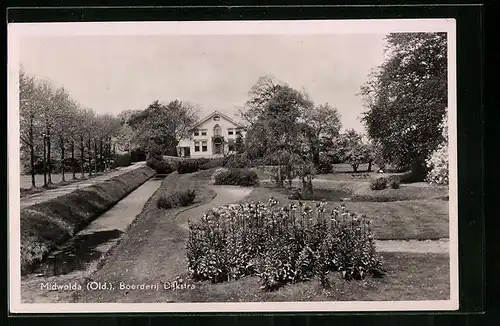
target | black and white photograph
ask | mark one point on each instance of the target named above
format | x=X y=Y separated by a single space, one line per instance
x=232 y=166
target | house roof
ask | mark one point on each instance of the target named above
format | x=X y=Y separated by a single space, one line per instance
x=219 y=114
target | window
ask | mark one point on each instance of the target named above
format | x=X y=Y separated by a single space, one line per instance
x=196 y=132
x=204 y=146
x=230 y=131
x=238 y=131
x=217 y=130
x=216 y=118
x=196 y=146
x=204 y=132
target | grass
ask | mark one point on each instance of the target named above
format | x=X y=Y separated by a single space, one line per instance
x=48 y=224
x=422 y=218
x=410 y=277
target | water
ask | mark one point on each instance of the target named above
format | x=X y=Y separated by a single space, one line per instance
x=94 y=241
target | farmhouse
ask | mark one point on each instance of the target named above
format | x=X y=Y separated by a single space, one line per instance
x=212 y=136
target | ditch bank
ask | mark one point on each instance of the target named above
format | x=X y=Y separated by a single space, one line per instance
x=49 y=224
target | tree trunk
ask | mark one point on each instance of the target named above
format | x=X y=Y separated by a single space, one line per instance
x=95 y=156
x=62 y=159
x=101 y=160
x=108 y=154
x=279 y=182
x=108 y=149
x=355 y=167
x=73 y=167
x=418 y=170
x=49 y=160
x=307 y=188
x=32 y=154
x=90 y=156
x=369 y=166
x=82 y=157
x=44 y=161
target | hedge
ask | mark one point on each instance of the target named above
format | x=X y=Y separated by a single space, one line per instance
x=237 y=177
x=48 y=224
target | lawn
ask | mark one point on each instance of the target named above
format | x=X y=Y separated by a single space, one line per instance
x=410 y=212
x=410 y=277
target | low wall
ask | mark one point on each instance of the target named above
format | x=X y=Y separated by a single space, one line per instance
x=48 y=224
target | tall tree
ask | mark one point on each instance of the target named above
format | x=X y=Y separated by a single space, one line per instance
x=89 y=129
x=109 y=129
x=285 y=135
x=260 y=94
x=321 y=124
x=163 y=126
x=46 y=99
x=29 y=114
x=63 y=112
x=239 y=144
x=352 y=150
x=407 y=98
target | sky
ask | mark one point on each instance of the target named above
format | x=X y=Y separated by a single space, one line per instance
x=115 y=73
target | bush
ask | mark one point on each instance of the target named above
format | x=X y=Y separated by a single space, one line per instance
x=237 y=177
x=281 y=244
x=178 y=199
x=394 y=183
x=121 y=160
x=138 y=155
x=210 y=163
x=237 y=161
x=438 y=166
x=160 y=165
x=378 y=184
x=188 y=166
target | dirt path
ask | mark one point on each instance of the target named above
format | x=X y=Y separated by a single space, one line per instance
x=153 y=254
x=63 y=190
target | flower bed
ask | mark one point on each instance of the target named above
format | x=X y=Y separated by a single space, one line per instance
x=281 y=244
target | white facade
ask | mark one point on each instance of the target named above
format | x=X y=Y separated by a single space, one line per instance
x=212 y=136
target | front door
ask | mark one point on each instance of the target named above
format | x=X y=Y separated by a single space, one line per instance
x=187 y=151
x=218 y=146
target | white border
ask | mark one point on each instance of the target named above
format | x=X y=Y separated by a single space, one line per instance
x=297 y=27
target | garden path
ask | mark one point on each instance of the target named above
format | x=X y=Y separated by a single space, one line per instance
x=414 y=246
x=225 y=195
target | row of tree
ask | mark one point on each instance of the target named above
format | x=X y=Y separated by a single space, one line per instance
x=56 y=128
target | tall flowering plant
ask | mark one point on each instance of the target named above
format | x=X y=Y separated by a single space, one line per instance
x=438 y=161
x=281 y=244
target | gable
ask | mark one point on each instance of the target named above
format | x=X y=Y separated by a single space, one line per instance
x=209 y=120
